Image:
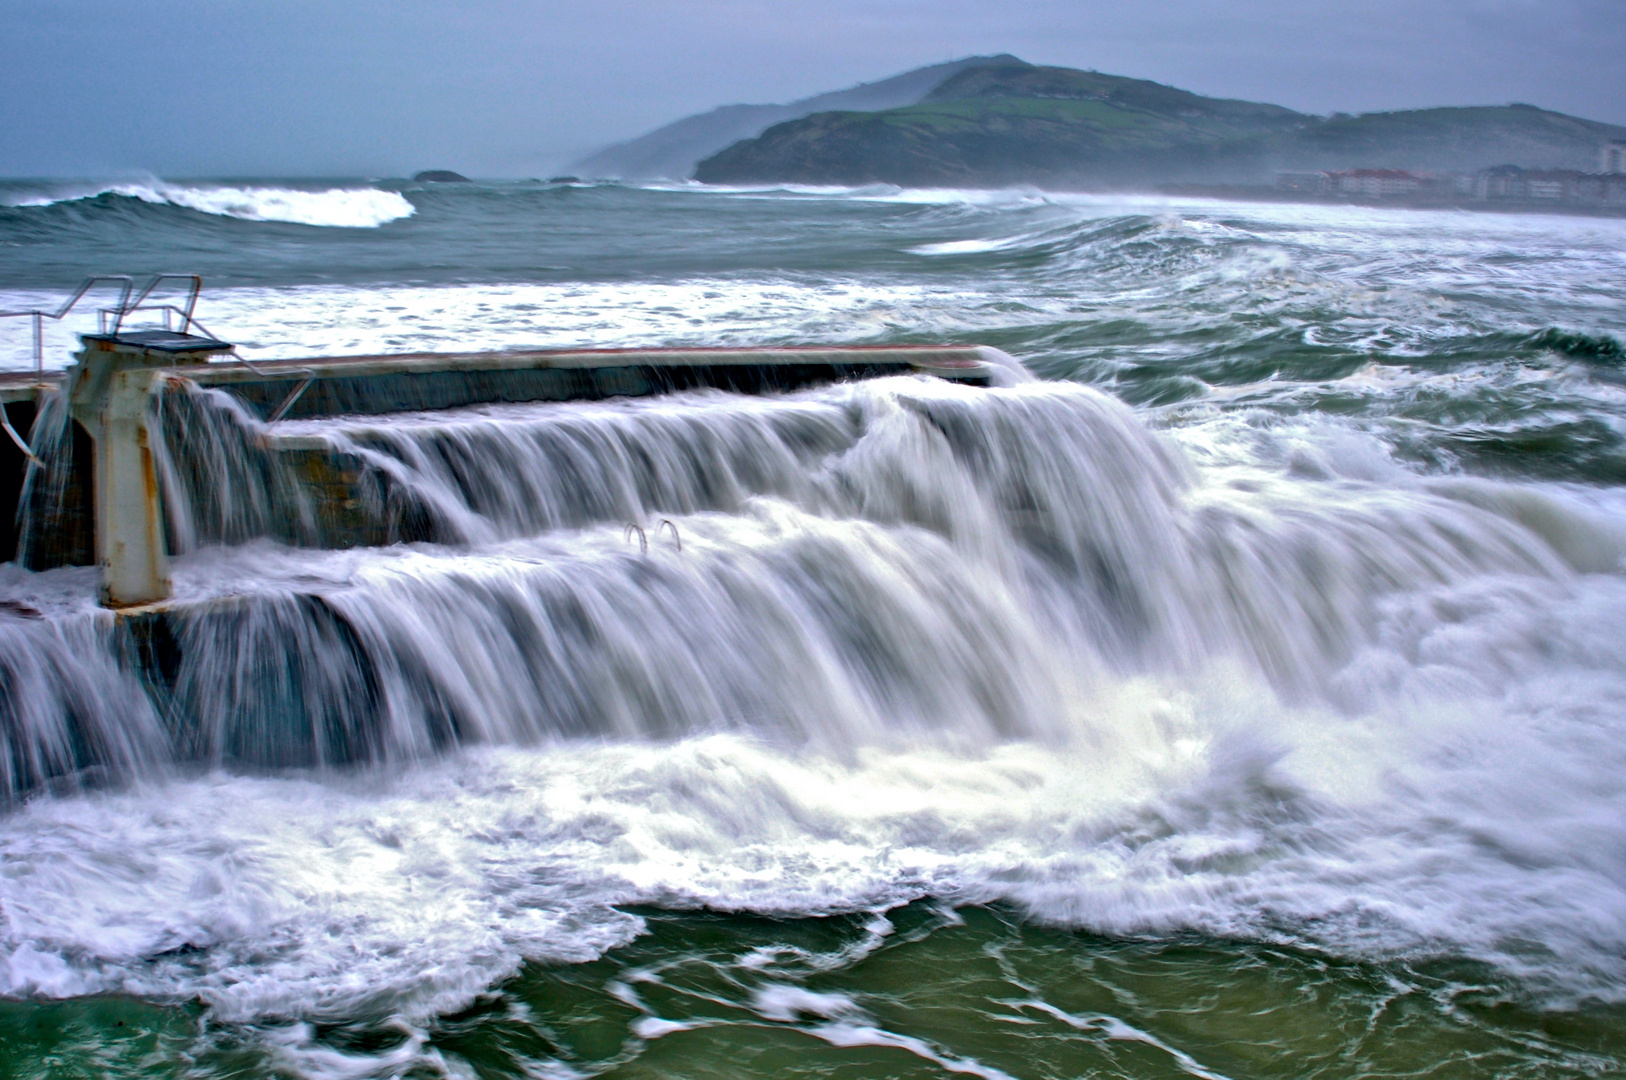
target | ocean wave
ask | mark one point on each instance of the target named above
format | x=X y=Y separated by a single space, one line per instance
x=349 y=208
x=1600 y=348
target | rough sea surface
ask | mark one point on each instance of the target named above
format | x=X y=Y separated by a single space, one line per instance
x=1244 y=696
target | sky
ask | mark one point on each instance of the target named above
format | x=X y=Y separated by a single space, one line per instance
x=189 y=88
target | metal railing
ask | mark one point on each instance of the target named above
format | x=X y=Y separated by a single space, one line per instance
x=109 y=320
x=126 y=286
x=140 y=304
x=22 y=444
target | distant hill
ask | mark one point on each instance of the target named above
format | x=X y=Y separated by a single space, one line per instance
x=1010 y=122
x=673 y=151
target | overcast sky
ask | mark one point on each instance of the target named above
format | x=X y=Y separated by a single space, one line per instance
x=520 y=87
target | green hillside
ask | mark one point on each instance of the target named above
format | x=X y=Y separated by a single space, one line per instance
x=1018 y=123
x=1016 y=79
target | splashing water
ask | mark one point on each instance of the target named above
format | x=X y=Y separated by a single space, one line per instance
x=1287 y=687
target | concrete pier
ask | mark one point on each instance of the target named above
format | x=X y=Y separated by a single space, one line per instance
x=112 y=385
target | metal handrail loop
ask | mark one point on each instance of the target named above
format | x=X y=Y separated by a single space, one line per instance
x=196 y=282
x=109 y=321
x=126 y=285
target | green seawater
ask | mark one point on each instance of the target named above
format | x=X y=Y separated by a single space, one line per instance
x=970 y=992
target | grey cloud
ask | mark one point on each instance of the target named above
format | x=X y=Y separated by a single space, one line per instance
x=512 y=87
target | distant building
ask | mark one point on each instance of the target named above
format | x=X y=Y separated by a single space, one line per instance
x=1612 y=159
x=1546 y=187
x=1509 y=183
x=1504 y=183
x=1362 y=183
x=1376 y=183
x=1501 y=182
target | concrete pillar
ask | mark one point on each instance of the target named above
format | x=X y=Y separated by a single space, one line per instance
x=129 y=518
x=110 y=389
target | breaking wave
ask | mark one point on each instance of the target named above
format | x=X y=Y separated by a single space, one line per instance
x=346 y=208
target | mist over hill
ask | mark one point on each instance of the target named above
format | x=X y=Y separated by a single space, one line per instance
x=999 y=121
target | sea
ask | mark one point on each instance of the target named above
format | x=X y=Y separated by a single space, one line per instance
x=1235 y=690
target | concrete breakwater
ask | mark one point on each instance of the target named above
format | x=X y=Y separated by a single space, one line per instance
x=151 y=446
x=342 y=502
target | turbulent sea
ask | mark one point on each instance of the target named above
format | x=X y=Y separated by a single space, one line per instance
x=1243 y=695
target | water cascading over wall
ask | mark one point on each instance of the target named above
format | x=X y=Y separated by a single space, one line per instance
x=54 y=515
x=892 y=559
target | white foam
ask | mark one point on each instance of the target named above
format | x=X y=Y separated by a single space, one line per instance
x=326 y=321
x=963 y=247
x=1017 y=196
x=787 y=1003
x=1461 y=817
x=306 y=321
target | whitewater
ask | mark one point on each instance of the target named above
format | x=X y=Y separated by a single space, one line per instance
x=1260 y=643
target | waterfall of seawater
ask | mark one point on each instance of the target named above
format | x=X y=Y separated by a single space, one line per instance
x=875 y=561
x=46 y=531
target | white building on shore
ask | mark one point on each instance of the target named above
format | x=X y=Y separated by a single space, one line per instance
x=1506 y=184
